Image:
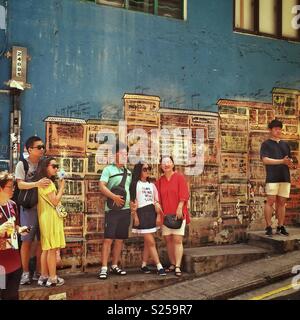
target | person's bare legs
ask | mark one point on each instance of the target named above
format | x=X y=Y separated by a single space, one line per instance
x=269 y=209
x=106 y=246
x=44 y=264
x=25 y=255
x=145 y=252
x=280 y=205
x=149 y=242
x=170 y=249
x=51 y=261
x=116 y=253
x=38 y=254
x=178 y=249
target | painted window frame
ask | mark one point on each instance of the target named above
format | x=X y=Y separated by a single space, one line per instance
x=156 y=6
x=277 y=35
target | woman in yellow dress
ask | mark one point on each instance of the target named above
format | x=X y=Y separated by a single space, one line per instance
x=51 y=226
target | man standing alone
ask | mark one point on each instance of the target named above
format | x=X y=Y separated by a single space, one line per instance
x=276 y=156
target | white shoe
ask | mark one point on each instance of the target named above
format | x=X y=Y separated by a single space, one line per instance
x=42 y=281
x=25 y=279
x=52 y=283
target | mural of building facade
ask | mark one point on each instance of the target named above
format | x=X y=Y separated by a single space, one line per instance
x=193 y=74
x=226 y=199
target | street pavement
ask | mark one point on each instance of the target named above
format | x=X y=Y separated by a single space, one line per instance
x=229 y=282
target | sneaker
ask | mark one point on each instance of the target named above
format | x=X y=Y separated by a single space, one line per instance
x=282 y=230
x=36 y=276
x=269 y=231
x=145 y=269
x=161 y=272
x=25 y=279
x=52 y=283
x=42 y=281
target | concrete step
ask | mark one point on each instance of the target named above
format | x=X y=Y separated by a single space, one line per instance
x=86 y=286
x=205 y=260
x=276 y=243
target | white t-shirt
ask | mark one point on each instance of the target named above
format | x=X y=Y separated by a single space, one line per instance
x=20 y=171
x=146 y=194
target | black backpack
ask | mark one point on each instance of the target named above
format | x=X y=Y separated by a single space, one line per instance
x=25 y=198
x=16 y=188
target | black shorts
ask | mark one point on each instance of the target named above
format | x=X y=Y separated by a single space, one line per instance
x=117 y=224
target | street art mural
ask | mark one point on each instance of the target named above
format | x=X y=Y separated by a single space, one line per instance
x=226 y=199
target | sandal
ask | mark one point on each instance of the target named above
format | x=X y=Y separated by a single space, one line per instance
x=102 y=274
x=178 y=273
x=118 y=271
x=170 y=268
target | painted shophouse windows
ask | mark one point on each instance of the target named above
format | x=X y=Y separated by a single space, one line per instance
x=166 y=8
x=272 y=18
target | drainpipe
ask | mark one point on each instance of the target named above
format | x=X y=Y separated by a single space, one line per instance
x=15 y=129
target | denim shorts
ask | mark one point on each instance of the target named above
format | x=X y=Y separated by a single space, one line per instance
x=29 y=218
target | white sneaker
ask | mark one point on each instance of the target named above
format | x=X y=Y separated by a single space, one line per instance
x=52 y=283
x=42 y=281
x=25 y=279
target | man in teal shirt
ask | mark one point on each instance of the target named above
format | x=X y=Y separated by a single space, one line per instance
x=117 y=221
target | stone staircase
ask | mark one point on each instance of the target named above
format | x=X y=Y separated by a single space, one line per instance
x=205 y=260
x=197 y=263
x=276 y=243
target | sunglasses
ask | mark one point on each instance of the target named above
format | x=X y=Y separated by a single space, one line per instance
x=40 y=147
x=147 y=169
x=54 y=166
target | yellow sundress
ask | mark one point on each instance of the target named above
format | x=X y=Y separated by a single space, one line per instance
x=51 y=226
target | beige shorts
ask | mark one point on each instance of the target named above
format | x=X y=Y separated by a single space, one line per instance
x=178 y=232
x=281 y=189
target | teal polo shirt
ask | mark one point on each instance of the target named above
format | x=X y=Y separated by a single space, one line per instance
x=113 y=175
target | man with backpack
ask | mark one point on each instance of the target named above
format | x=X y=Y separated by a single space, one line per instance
x=114 y=184
x=24 y=174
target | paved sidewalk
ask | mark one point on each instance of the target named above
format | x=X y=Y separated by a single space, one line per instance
x=229 y=282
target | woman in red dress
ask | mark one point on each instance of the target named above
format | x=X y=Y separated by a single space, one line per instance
x=174 y=195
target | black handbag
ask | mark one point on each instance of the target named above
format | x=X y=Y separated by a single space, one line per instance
x=171 y=222
x=120 y=191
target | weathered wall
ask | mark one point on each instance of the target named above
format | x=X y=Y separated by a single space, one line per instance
x=85 y=56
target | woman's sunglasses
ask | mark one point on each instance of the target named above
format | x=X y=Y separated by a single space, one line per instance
x=54 y=166
x=147 y=169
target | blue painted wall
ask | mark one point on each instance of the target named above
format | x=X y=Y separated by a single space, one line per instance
x=86 y=56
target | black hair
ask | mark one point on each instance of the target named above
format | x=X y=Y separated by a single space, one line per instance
x=30 y=141
x=163 y=157
x=136 y=177
x=5 y=177
x=41 y=171
x=275 y=124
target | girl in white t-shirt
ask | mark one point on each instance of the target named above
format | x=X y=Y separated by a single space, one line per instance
x=147 y=217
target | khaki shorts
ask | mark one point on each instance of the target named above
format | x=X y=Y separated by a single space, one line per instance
x=178 y=232
x=281 y=189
